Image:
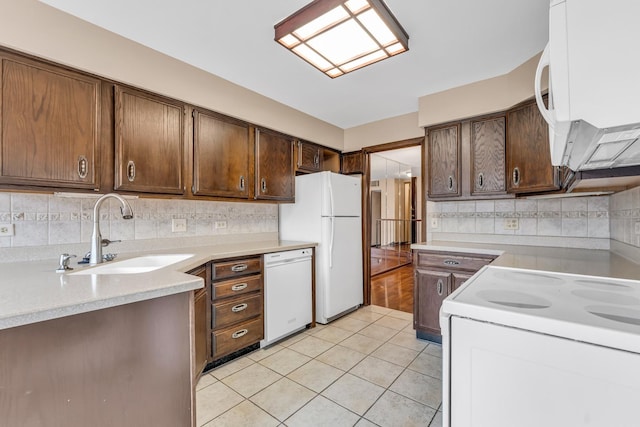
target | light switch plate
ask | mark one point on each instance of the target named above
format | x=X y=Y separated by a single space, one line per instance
x=178 y=225
x=435 y=223
x=7 y=230
x=511 y=224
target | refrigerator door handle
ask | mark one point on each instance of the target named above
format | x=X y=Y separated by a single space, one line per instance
x=331 y=243
x=330 y=199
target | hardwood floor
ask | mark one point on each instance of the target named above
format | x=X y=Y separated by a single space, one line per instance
x=394 y=289
x=387 y=258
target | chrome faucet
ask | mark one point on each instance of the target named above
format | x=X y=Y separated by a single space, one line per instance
x=96 y=238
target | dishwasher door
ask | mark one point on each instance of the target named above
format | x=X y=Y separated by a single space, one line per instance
x=287 y=294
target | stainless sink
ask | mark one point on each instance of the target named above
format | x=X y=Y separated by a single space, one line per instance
x=143 y=264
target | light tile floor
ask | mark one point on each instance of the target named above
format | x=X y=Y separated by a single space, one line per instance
x=364 y=369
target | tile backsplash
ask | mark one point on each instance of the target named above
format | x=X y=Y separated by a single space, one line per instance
x=625 y=214
x=581 y=222
x=46 y=219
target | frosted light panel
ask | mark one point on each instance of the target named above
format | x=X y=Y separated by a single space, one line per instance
x=343 y=43
x=309 y=55
x=289 y=40
x=377 y=27
x=361 y=62
x=356 y=6
x=325 y=21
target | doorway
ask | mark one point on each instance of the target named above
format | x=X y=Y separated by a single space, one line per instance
x=392 y=199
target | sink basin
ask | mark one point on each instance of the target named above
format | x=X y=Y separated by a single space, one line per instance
x=142 y=264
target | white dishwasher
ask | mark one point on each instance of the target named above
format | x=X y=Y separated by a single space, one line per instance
x=287 y=293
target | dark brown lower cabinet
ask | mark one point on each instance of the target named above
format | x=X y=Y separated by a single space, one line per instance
x=436 y=275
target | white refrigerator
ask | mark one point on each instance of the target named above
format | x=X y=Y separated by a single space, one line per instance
x=328 y=211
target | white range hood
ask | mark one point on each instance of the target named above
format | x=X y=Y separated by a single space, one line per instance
x=594 y=83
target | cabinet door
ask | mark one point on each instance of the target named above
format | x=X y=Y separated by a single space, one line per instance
x=352 y=163
x=49 y=128
x=274 y=167
x=443 y=151
x=220 y=156
x=149 y=143
x=430 y=289
x=309 y=157
x=528 y=156
x=488 y=156
x=201 y=316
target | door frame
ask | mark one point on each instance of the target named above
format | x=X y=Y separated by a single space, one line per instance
x=366 y=202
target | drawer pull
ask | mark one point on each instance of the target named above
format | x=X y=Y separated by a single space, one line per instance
x=131 y=171
x=239 y=334
x=440 y=287
x=239 y=287
x=238 y=308
x=451 y=262
x=239 y=267
x=83 y=167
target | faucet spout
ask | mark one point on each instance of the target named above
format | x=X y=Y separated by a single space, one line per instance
x=96 y=237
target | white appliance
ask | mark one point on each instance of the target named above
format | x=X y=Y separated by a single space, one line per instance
x=287 y=293
x=528 y=348
x=328 y=211
x=594 y=86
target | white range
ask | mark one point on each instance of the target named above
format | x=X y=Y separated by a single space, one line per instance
x=531 y=348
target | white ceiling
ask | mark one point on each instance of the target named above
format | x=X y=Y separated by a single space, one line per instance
x=452 y=42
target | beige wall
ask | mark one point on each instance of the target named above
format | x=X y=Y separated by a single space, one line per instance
x=382 y=131
x=483 y=97
x=33 y=27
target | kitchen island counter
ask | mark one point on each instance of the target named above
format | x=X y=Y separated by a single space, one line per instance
x=32 y=291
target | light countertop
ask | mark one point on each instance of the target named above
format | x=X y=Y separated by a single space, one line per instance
x=591 y=262
x=32 y=291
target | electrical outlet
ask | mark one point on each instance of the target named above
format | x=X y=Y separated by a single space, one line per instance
x=511 y=224
x=435 y=223
x=221 y=224
x=7 y=230
x=636 y=227
x=178 y=225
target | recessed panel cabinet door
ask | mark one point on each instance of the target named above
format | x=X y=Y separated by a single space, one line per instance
x=275 y=175
x=149 y=143
x=221 y=156
x=309 y=157
x=443 y=151
x=488 y=156
x=430 y=289
x=50 y=122
x=528 y=155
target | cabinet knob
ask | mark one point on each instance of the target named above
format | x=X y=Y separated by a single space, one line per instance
x=239 y=334
x=516 y=176
x=480 y=180
x=450 y=184
x=440 y=287
x=131 y=171
x=83 y=167
x=239 y=286
x=240 y=307
x=242 y=183
x=239 y=267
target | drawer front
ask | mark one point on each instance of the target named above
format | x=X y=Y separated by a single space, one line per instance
x=240 y=267
x=237 y=286
x=452 y=262
x=232 y=339
x=236 y=310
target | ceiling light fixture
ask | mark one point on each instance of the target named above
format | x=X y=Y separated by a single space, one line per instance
x=340 y=36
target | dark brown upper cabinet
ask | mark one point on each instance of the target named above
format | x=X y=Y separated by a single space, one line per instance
x=528 y=156
x=274 y=166
x=443 y=158
x=221 y=156
x=50 y=125
x=352 y=163
x=309 y=157
x=149 y=143
x=488 y=156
